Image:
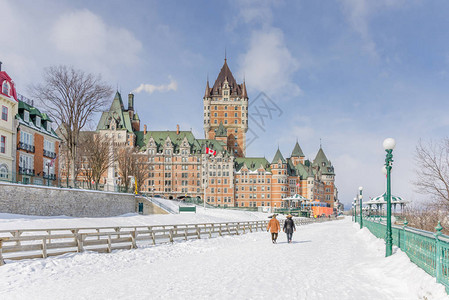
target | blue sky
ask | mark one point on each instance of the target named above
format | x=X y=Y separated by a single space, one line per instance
x=348 y=72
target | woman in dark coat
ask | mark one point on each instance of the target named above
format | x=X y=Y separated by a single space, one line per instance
x=289 y=227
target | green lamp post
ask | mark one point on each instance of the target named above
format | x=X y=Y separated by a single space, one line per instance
x=355 y=210
x=353 y=214
x=361 y=210
x=389 y=145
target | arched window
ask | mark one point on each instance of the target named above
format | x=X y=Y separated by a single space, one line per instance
x=5 y=88
x=3 y=171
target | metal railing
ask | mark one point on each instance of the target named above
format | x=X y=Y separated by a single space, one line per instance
x=26 y=171
x=26 y=147
x=428 y=250
x=49 y=154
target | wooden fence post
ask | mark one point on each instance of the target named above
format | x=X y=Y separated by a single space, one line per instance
x=44 y=247
x=133 y=239
x=2 y=262
x=109 y=244
x=170 y=234
x=79 y=241
x=198 y=231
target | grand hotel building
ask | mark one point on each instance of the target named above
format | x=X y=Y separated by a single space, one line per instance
x=179 y=166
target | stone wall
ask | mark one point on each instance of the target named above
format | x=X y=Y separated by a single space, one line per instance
x=49 y=201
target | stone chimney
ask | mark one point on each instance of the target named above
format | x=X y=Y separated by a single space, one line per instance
x=131 y=101
x=145 y=129
x=177 y=128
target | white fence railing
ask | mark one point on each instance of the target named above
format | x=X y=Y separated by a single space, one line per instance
x=42 y=243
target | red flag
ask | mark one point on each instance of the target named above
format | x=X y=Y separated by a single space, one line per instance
x=211 y=151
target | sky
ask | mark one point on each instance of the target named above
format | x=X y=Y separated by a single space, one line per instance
x=345 y=74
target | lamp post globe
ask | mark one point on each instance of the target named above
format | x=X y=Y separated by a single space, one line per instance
x=389 y=144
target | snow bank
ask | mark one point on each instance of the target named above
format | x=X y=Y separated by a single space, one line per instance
x=11 y=221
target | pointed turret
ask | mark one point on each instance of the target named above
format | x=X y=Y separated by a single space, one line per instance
x=278 y=156
x=244 y=93
x=225 y=74
x=320 y=158
x=207 y=92
x=297 y=151
x=323 y=163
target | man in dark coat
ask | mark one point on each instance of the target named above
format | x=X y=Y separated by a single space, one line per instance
x=289 y=227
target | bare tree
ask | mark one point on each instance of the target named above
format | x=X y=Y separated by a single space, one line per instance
x=71 y=97
x=125 y=166
x=140 y=170
x=97 y=153
x=432 y=161
x=132 y=165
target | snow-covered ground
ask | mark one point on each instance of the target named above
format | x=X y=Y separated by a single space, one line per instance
x=332 y=260
x=208 y=215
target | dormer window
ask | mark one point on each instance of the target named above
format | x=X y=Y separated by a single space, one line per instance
x=5 y=88
x=26 y=116
x=48 y=126
x=38 y=121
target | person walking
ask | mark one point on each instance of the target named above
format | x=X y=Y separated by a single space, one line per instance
x=289 y=227
x=274 y=227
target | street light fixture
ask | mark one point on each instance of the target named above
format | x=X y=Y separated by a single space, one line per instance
x=355 y=210
x=389 y=145
x=361 y=210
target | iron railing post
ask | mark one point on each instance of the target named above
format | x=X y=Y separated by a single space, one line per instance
x=438 y=254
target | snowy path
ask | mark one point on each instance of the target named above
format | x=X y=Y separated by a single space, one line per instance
x=333 y=260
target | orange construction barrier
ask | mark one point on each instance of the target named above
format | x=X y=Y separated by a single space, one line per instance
x=318 y=211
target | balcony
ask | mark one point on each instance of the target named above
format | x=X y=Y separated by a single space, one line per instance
x=26 y=147
x=49 y=176
x=25 y=171
x=49 y=154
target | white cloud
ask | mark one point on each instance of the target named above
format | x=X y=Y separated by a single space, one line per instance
x=151 y=88
x=82 y=35
x=33 y=39
x=268 y=65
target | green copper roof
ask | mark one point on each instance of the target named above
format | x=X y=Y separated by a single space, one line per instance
x=136 y=117
x=297 y=151
x=253 y=163
x=320 y=157
x=116 y=113
x=278 y=156
x=323 y=163
x=221 y=131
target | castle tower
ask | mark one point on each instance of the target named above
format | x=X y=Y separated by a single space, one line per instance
x=297 y=155
x=227 y=102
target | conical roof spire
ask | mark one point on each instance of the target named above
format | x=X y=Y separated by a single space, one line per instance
x=244 y=93
x=297 y=151
x=321 y=158
x=207 y=92
x=278 y=156
x=225 y=73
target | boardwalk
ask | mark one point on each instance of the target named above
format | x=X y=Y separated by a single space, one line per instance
x=333 y=260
